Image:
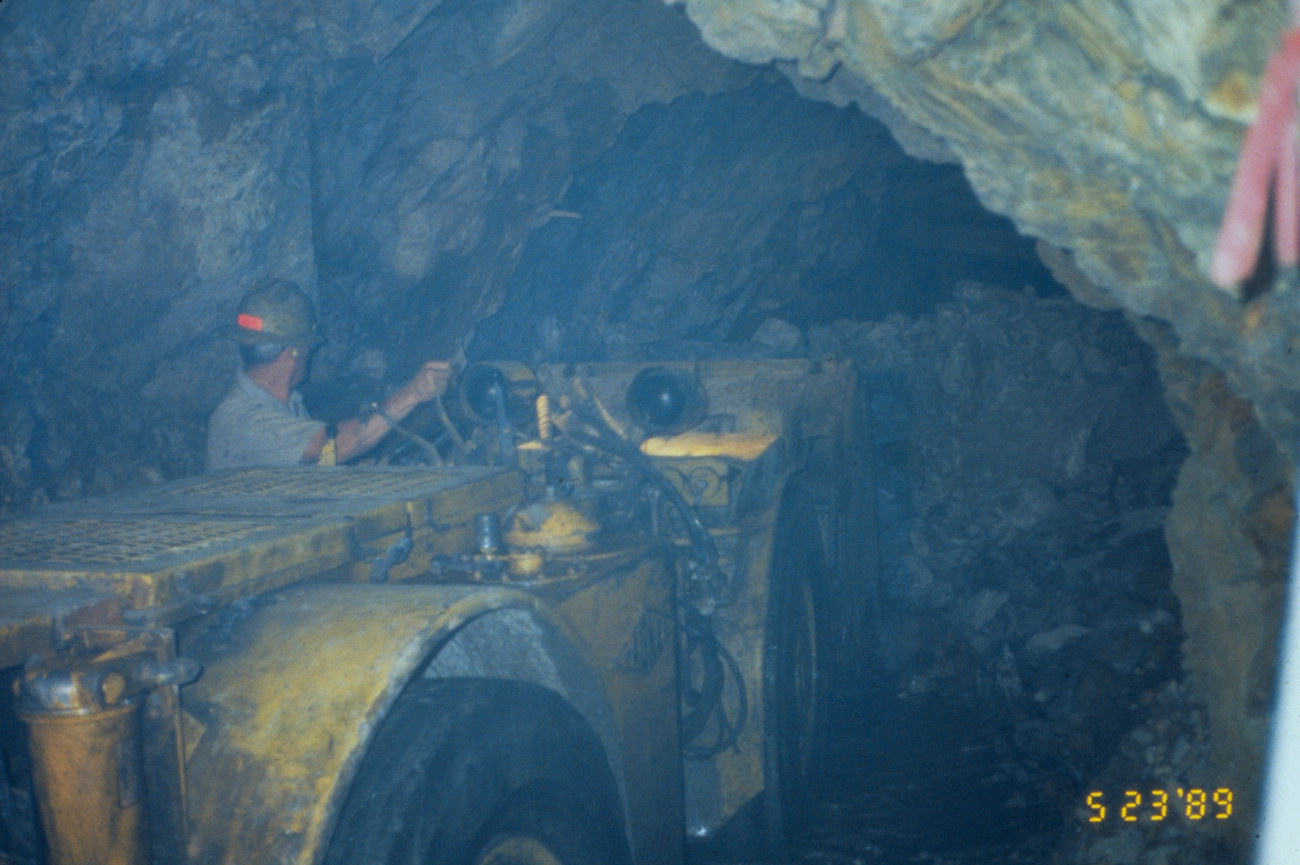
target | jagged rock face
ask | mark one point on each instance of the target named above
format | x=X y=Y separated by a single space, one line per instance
x=435 y=164
x=1107 y=128
x=149 y=159
x=390 y=157
x=1229 y=534
x=1023 y=461
x=712 y=209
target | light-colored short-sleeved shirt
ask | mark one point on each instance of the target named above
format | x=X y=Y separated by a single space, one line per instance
x=253 y=428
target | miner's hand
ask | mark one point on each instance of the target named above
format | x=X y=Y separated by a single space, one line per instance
x=431 y=380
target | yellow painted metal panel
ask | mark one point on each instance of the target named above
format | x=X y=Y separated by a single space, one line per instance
x=295 y=685
x=612 y=658
x=760 y=398
x=768 y=419
x=131 y=556
x=627 y=627
x=740 y=446
x=236 y=532
x=29 y=617
x=290 y=694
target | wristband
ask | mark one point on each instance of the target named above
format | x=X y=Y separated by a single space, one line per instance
x=329 y=453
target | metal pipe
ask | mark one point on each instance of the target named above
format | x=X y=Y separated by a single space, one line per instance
x=84 y=741
x=487 y=533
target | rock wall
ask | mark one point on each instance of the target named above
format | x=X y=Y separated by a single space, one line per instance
x=436 y=163
x=1105 y=128
x=1111 y=130
x=388 y=155
x=151 y=159
x=1228 y=533
x=1025 y=460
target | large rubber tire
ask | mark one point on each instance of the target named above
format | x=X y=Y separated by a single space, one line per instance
x=795 y=687
x=481 y=772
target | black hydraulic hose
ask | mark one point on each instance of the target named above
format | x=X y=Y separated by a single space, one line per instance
x=699 y=705
x=714 y=657
x=729 y=733
x=608 y=441
x=420 y=441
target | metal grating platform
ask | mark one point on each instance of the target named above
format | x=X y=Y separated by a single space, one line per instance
x=327 y=484
x=107 y=543
x=262 y=527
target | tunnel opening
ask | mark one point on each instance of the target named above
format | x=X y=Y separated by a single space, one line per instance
x=746 y=212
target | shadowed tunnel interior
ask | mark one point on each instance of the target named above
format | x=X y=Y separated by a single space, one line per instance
x=1080 y=452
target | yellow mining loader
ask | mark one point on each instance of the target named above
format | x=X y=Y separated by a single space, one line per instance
x=591 y=635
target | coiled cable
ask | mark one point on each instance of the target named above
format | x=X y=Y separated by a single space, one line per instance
x=697 y=627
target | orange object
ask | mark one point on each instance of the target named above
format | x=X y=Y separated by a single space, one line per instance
x=251 y=322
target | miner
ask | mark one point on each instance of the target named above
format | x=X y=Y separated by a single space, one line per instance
x=262 y=421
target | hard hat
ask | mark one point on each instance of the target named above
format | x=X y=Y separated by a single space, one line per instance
x=276 y=312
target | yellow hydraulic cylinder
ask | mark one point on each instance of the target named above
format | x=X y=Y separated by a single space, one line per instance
x=84 y=740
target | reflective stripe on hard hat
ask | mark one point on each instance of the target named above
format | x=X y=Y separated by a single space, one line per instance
x=276 y=312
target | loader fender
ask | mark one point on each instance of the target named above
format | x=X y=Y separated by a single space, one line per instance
x=296 y=683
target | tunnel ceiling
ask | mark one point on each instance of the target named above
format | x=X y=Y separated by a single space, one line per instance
x=1107 y=128
x=749 y=213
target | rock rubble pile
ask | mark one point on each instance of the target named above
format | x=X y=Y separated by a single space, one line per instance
x=1025 y=460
